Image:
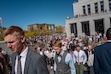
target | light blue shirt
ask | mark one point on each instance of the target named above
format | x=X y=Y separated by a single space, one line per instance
x=68 y=60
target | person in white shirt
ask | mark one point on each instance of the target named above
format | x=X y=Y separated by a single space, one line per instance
x=80 y=59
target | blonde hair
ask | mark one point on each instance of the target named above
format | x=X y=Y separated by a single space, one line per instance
x=58 y=44
x=15 y=30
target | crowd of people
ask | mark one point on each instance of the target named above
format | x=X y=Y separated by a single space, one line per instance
x=65 y=56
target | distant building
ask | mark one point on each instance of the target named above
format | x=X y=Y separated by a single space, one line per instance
x=36 y=27
x=90 y=17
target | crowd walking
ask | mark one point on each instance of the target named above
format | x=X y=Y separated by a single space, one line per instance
x=77 y=55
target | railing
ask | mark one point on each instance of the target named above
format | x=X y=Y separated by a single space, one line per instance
x=83 y=15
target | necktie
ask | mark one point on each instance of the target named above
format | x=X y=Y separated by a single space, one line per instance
x=19 y=68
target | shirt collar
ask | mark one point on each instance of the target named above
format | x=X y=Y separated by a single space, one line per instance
x=24 y=53
x=79 y=50
x=62 y=52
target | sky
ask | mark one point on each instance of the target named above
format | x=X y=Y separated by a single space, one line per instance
x=25 y=12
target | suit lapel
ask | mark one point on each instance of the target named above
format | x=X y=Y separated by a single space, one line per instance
x=13 y=62
x=27 y=62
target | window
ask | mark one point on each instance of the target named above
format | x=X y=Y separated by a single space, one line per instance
x=102 y=6
x=96 y=7
x=73 y=28
x=110 y=5
x=84 y=10
x=89 y=9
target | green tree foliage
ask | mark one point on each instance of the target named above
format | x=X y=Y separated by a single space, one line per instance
x=59 y=29
x=1 y=37
x=31 y=34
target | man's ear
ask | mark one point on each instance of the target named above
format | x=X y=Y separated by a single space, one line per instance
x=23 y=39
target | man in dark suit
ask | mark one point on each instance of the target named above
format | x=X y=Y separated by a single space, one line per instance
x=24 y=59
x=102 y=56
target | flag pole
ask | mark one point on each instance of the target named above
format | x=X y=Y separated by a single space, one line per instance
x=0 y=25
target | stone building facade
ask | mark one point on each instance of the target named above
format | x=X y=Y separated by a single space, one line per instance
x=36 y=27
x=90 y=17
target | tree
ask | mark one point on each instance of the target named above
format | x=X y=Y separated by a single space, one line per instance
x=31 y=34
x=59 y=29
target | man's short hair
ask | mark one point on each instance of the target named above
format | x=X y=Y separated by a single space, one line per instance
x=17 y=31
x=77 y=45
x=58 y=44
x=108 y=33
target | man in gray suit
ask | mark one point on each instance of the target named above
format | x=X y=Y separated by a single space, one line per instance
x=102 y=56
x=24 y=59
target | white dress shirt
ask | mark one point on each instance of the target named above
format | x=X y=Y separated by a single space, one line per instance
x=90 y=60
x=82 y=56
x=23 y=58
x=89 y=53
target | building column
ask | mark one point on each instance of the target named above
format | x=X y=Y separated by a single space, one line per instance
x=92 y=27
x=106 y=5
x=79 y=29
x=106 y=24
x=68 y=30
x=99 y=7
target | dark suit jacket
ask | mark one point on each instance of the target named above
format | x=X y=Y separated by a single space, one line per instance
x=102 y=59
x=35 y=63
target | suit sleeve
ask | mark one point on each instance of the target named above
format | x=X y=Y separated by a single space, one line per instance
x=96 y=63
x=42 y=66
